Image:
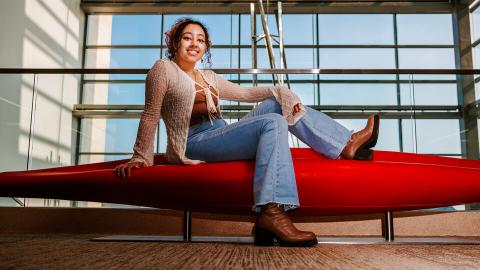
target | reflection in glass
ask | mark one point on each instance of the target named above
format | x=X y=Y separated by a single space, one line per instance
x=432 y=136
x=52 y=144
x=9 y=202
x=15 y=107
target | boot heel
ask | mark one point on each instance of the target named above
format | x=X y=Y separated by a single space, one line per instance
x=363 y=154
x=263 y=237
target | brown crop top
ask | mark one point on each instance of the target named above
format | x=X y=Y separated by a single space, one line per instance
x=200 y=108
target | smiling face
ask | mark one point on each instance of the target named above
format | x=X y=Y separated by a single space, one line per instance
x=192 y=44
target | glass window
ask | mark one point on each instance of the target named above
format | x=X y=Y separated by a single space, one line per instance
x=162 y=138
x=358 y=94
x=115 y=93
x=136 y=29
x=300 y=58
x=246 y=30
x=425 y=29
x=109 y=135
x=263 y=61
x=9 y=202
x=121 y=58
x=475 y=22
x=476 y=58
x=361 y=77
x=477 y=88
x=426 y=58
x=128 y=130
x=357 y=58
x=299 y=29
x=246 y=58
x=223 y=58
x=99 y=30
x=85 y=159
x=271 y=24
x=355 y=29
x=128 y=77
x=432 y=136
x=429 y=94
x=478 y=125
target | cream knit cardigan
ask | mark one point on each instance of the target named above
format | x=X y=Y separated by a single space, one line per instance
x=170 y=93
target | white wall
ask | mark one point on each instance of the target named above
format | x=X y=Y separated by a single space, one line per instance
x=39 y=34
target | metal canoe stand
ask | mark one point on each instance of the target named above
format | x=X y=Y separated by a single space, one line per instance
x=387 y=238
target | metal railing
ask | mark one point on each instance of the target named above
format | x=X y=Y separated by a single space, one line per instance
x=237 y=111
x=244 y=71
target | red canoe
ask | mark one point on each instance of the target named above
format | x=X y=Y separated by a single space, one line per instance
x=391 y=182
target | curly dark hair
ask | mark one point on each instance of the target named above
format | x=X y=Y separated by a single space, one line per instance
x=172 y=38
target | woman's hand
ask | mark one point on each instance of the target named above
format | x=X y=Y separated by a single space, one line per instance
x=296 y=108
x=124 y=170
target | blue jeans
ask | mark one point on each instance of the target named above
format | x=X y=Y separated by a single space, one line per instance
x=263 y=135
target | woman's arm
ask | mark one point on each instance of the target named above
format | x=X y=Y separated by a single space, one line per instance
x=234 y=92
x=156 y=86
x=292 y=108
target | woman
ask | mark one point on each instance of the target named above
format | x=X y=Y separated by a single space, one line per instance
x=187 y=99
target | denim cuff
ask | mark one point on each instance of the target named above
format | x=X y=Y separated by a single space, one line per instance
x=286 y=207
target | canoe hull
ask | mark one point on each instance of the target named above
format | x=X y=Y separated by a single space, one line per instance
x=391 y=182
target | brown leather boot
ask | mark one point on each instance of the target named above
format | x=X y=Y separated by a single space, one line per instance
x=360 y=142
x=272 y=223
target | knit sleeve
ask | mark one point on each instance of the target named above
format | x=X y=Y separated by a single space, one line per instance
x=156 y=86
x=234 y=92
x=284 y=96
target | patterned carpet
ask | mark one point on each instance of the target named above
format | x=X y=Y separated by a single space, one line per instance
x=61 y=251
